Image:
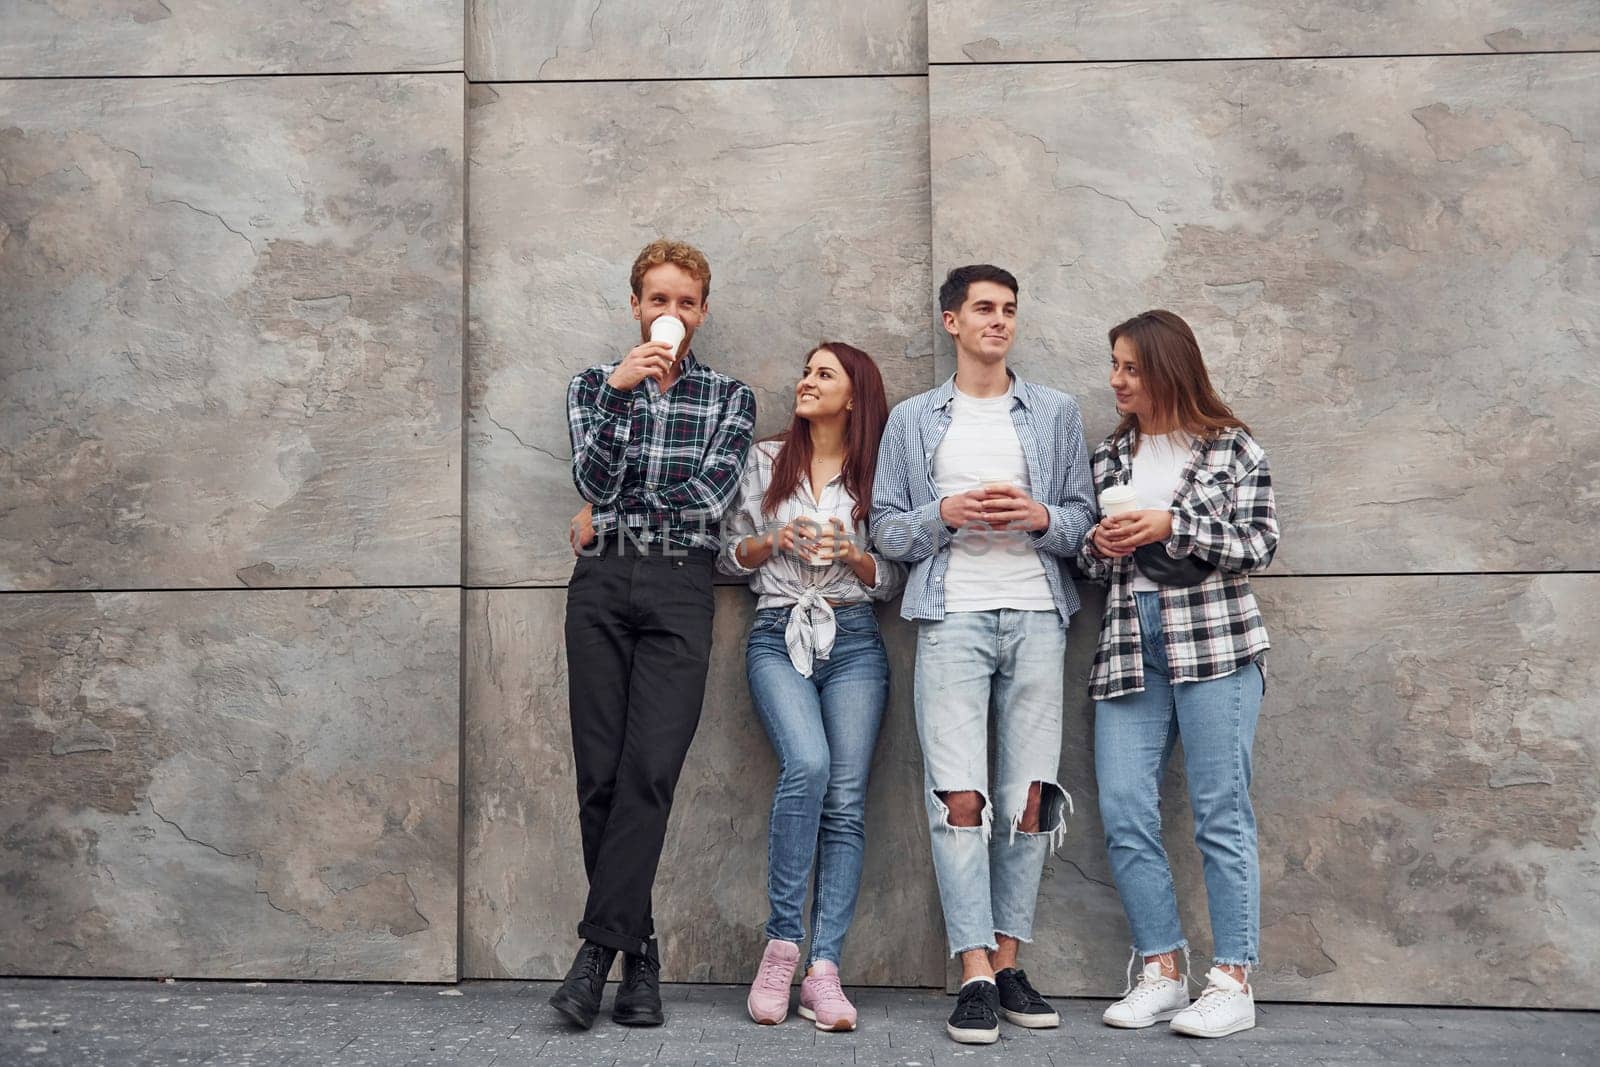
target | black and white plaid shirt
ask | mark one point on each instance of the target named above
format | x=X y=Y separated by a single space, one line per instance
x=663 y=465
x=1224 y=514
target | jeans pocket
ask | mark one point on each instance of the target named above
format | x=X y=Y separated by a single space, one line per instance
x=857 y=623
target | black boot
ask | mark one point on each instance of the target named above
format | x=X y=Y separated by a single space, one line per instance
x=579 y=996
x=638 y=1000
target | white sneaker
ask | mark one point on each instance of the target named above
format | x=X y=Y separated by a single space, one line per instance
x=1153 y=999
x=1226 y=1007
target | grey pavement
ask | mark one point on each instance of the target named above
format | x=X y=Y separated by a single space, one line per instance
x=81 y=1021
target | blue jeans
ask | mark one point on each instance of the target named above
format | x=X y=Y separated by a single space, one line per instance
x=1133 y=738
x=989 y=882
x=823 y=730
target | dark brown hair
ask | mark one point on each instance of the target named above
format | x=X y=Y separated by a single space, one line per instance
x=953 y=293
x=863 y=429
x=1174 y=377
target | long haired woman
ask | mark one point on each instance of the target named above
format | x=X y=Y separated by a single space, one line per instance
x=1179 y=658
x=818 y=674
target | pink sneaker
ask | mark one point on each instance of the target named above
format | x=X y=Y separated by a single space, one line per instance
x=768 y=1003
x=823 y=1001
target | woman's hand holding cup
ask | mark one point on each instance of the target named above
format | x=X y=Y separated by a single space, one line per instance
x=1116 y=503
x=803 y=536
x=836 y=544
x=1133 y=529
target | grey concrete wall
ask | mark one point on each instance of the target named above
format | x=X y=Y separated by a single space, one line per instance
x=232 y=318
x=1390 y=264
x=510 y=41
x=230 y=785
x=231 y=355
x=1011 y=31
x=809 y=196
x=231 y=326
x=1424 y=784
x=100 y=38
x=524 y=882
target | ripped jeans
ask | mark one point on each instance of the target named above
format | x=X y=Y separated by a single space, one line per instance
x=989 y=879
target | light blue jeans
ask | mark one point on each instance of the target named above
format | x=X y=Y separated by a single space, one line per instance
x=989 y=882
x=823 y=730
x=1133 y=738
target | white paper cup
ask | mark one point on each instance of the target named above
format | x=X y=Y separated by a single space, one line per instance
x=1118 y=500
x=668 y=328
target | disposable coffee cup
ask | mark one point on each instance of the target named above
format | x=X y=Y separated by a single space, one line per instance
x=668 y=328
x=1118 y=500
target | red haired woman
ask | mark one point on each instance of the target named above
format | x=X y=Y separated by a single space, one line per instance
x=818 y=674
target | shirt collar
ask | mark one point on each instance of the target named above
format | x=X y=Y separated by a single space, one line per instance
x=691 y=368
x=944 y=394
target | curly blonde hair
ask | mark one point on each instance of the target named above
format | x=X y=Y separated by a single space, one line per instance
x=685 y=257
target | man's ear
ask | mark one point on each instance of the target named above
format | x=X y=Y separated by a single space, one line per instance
x=633 y=305
x=949 y=318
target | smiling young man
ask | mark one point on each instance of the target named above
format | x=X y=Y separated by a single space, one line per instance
x=658 y=447
x=983 y=487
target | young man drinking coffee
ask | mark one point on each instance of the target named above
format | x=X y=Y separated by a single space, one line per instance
x=983 y=487
x=659 y=441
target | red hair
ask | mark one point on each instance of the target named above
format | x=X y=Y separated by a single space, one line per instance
x=863 y=429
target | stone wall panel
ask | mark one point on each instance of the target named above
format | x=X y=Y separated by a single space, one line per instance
x=230 y=785
x=99 y=38
x=525 y=884
x=810 y=198
x=1009 y=31
x=232 y=323
x=1390 y=264
x=1425 y=791
x=511 y=41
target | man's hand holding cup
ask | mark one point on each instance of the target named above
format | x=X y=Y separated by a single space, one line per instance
x=654 y=358
x=1007 y=507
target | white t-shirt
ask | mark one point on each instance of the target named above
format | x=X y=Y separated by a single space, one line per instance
x=1157 y=474
x=988 y=570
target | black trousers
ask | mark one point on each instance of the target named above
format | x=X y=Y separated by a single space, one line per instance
x=638 y=643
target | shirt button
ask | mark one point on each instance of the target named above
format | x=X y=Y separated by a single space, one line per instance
x=940 y=578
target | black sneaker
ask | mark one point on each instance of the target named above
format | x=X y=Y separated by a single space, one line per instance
x=638 y=1001
x=1020 y=1003
x=976 y=1020
x=579 y=996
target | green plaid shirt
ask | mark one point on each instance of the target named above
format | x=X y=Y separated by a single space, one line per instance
x=664 y=465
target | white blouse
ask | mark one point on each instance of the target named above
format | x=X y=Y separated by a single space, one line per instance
x=786 y=580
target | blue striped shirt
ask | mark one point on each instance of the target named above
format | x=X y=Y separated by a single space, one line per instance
x=905 y=503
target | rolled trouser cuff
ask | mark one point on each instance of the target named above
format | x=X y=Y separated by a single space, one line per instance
x=633 y=946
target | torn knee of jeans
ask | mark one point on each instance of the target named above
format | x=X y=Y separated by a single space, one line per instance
x=964 y=809
x=1054 y=804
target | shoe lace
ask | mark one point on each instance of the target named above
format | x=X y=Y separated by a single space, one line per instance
x=770 y=977
x=638 y=967
x=1147 y=982
x=828 y=990
x=1025 y=987
x=1214 y=998
x=970 y=1004
x=595 y=963
x=1147 y=988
